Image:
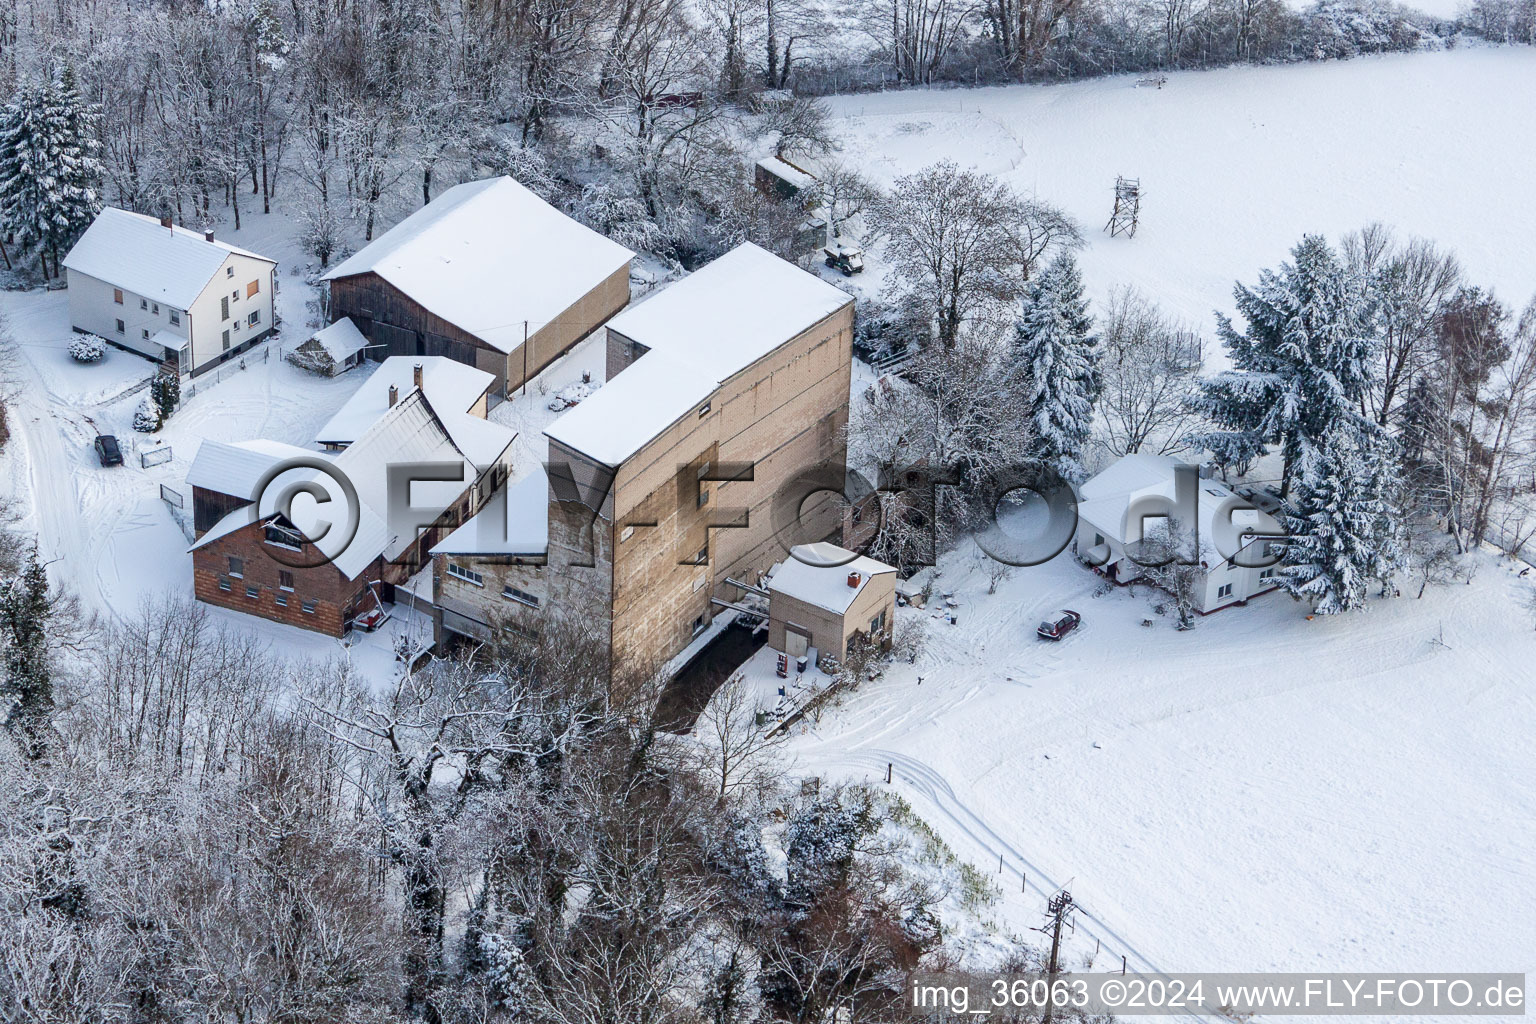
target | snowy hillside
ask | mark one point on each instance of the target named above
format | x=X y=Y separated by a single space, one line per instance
x=1236 y=164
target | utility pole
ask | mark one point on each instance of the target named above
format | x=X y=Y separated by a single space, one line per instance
x=1057 y=910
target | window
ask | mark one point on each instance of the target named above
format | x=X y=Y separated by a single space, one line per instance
x=251 y=590
x=282 y=536
x=120 y=328
x=143 y=303
x=224 y=584
x=700 y=624
x=145 y=332
x=308 y=607
x=1267 y=574
x=117 y=296
x=877 y=624
x=285 y=580
x=702 y=557
x=704 y=410
x=229 y=271
x=154 y=307
x=175 y=317
x=1098 y=539
x=466 y=574
x=226 y=340
x=223 y=308
x=252 y=288
x=282 y=600
x=511 y=593
x=254 y=318
x=236 y=567
x=703 y=497
x=1225 y=590
x=234 y=296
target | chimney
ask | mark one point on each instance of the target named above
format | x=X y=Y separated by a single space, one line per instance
x=853 y=580
x=208 y=235
x=394 y=395
x=165 y=221
x=416 y=374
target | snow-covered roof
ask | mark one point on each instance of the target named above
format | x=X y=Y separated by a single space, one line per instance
x=701 y=331
x=140 y=255
x=342 y=339
x=514 y=522
x=818 y=575
x=411 y=432
x=487 y=256
x=1108 y=496
x=451 y=389
x=787 y=171
x=236 y=468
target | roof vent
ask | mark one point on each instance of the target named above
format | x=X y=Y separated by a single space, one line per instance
x=853 y=579
x=394 y=395
x=416 y=374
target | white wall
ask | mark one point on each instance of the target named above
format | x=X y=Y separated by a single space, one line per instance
x=229 y=282
x=92 y=308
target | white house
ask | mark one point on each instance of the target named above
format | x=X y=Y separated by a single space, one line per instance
x=178 y=296
x=1116 y=504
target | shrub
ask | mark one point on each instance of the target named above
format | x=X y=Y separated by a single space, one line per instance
x=87 y=348
x=165 y=389
x=147 y=418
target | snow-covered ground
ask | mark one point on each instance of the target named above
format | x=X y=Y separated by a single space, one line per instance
x=106 y=532
x=1263 y=793
x=1235 y=164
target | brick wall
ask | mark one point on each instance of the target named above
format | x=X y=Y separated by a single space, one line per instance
x=336 y=598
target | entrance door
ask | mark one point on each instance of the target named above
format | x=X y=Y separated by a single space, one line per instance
x=796 y=642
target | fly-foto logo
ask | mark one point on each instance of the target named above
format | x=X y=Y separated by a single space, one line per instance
x=316 y=498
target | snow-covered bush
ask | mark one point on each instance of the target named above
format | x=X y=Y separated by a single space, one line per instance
x=87 y=348
x=571 y=394
x=165 y=390
x=147 y=418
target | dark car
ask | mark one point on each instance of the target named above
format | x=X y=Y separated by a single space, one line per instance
x=108 y=451
x=1058 y=625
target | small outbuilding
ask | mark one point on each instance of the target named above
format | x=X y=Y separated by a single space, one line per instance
x=825 y=597
x=331 y=350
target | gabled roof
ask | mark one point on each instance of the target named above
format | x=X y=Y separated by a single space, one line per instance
x=451 y=389
x=701 y=331
x=514 y=522
x=487 y=256
x=140 y=255
x=236 y=468
x=341 y=339
x=818 y=575
x=1109 y=494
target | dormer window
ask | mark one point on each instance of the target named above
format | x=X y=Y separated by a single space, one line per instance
x=282 y=536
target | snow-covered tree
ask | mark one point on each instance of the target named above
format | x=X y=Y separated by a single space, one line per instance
x=147 y=417
x=1149 y=367
x=1304 y=363
x=165 y=389
x=87 y=348
x=26 y=688
x=1344 y=520
x=1055 y=346
x=48 y=168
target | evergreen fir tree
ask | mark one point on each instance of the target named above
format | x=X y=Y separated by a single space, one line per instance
x=1344 y=522
x=1055 y=346
x=48 y=168
x=26 y=688
x=165 y=388
x=1303 y=364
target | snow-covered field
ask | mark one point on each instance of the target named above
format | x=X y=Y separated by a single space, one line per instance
x=1263 y=793
x=1235 y=164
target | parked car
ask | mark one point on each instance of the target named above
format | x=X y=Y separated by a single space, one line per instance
x=845 y=258
x=108 y=451
x=1058 y=625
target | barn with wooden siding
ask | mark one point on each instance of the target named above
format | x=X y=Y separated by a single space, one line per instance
x=487 y=274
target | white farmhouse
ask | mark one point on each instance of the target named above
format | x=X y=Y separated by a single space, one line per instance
x=178 y=296
x=1230 y=530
